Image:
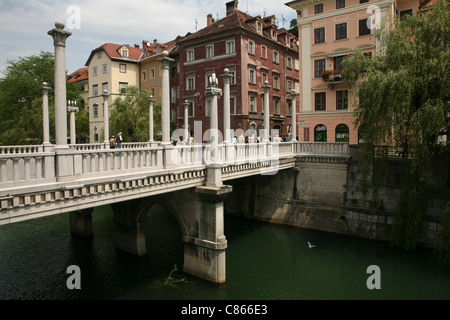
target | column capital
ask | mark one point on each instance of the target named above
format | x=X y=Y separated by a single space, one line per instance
x=59 y=35
x=213 y=91
x=227 y=75
x=45 y=88
x=73 y=109
x=165 y=60
x=105 y=94
x=266 y=86
x=293 y=94
x=151 y=100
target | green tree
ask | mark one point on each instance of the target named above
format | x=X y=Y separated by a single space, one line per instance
x=403 y=95
x=21 y=99
x=293 y=27
x=129 y=115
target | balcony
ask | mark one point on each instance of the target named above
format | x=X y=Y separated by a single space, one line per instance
x=332 y=77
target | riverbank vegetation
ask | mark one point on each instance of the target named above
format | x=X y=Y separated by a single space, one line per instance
x=403 y=100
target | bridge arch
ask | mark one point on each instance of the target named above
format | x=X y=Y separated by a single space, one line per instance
x=148 y=203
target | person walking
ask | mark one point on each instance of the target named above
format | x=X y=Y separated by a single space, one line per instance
x=112 y=142
x=119 y=140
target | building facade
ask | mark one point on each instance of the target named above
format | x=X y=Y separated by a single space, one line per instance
x=329 y=30
x=254 y=50
x=112 y=68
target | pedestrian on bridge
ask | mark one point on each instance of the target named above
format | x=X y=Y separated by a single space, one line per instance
x=112 y=142
x=119 y=140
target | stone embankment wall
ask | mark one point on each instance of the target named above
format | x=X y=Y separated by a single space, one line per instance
x=325 y=194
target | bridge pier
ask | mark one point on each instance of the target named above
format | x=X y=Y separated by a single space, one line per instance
x=81 y=223
x=204 y=256
x=130 y=234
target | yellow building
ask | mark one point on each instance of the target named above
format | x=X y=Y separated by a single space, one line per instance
x=112 y=68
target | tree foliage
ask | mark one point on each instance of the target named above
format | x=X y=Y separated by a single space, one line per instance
x=129 y=115
x=21 y=99
x=402 y=95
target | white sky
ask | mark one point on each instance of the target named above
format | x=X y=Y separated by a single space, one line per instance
x=24 y=23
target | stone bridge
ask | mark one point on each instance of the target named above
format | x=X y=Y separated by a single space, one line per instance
x=38 y=181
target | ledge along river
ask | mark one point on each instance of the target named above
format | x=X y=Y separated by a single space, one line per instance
x=263 y=262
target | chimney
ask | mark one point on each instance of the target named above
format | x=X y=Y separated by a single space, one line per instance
x=232 y=6
x=209 y=20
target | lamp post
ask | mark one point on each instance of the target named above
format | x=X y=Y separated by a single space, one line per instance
x=45 y=119
x=106 y=118
x=151 y=101
x=214 y=91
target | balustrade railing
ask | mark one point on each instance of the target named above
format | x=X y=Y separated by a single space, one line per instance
x=28 y=165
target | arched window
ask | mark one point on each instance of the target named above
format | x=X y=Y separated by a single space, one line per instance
x=342 y=133
x=320 y=133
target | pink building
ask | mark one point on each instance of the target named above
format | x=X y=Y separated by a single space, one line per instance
x=329 y=31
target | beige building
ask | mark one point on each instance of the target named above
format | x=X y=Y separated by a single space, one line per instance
x=150 y=67
x=112 y=67
x=329 y=30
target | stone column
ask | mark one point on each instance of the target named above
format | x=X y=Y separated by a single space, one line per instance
x=266 y=88
x=214 y=91
x=59 y=41
x=45 y=117
x=72 y=108
x=226 y=106
x=151 y=101
x=165 y=97
x=186 y=121
x=106 y=119
x=294 y=95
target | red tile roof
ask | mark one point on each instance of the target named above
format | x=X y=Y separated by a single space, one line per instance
x=79 y=75
x=112 y=50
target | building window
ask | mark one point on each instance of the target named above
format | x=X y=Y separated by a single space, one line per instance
x=251 y=47
x=105 y=68
x=342 y=133
x=264 y=52
x=289 y=85
x=363 y=1
x=152 y=73
x=190 y=83
x=230 y=48
x=320 y=133
x=190 y=55
x=289 y=107
x=276 y=57
x=404 y=13
x=123 y=87
x=320 y=100
x=341 y=31
x=276 y=82
x=123 y=68
x=95 y=110
x=144 y=75
x=209 y=51
x=232 y=104
x=340 y=4
x=232 y=72
x=252 y=103
x=252 y=76
x=363 y=28
x=125 y=53
x=289 y=63
x=276 y=106
x=104 y=87
x=95 y=90
x=94 y=71
x=338 y=62
x=318 y=8
x=319 y=67
x=99 y=55
x=319 y=35
x=342 y=99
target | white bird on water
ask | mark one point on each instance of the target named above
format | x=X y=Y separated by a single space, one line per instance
x=310 y=245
